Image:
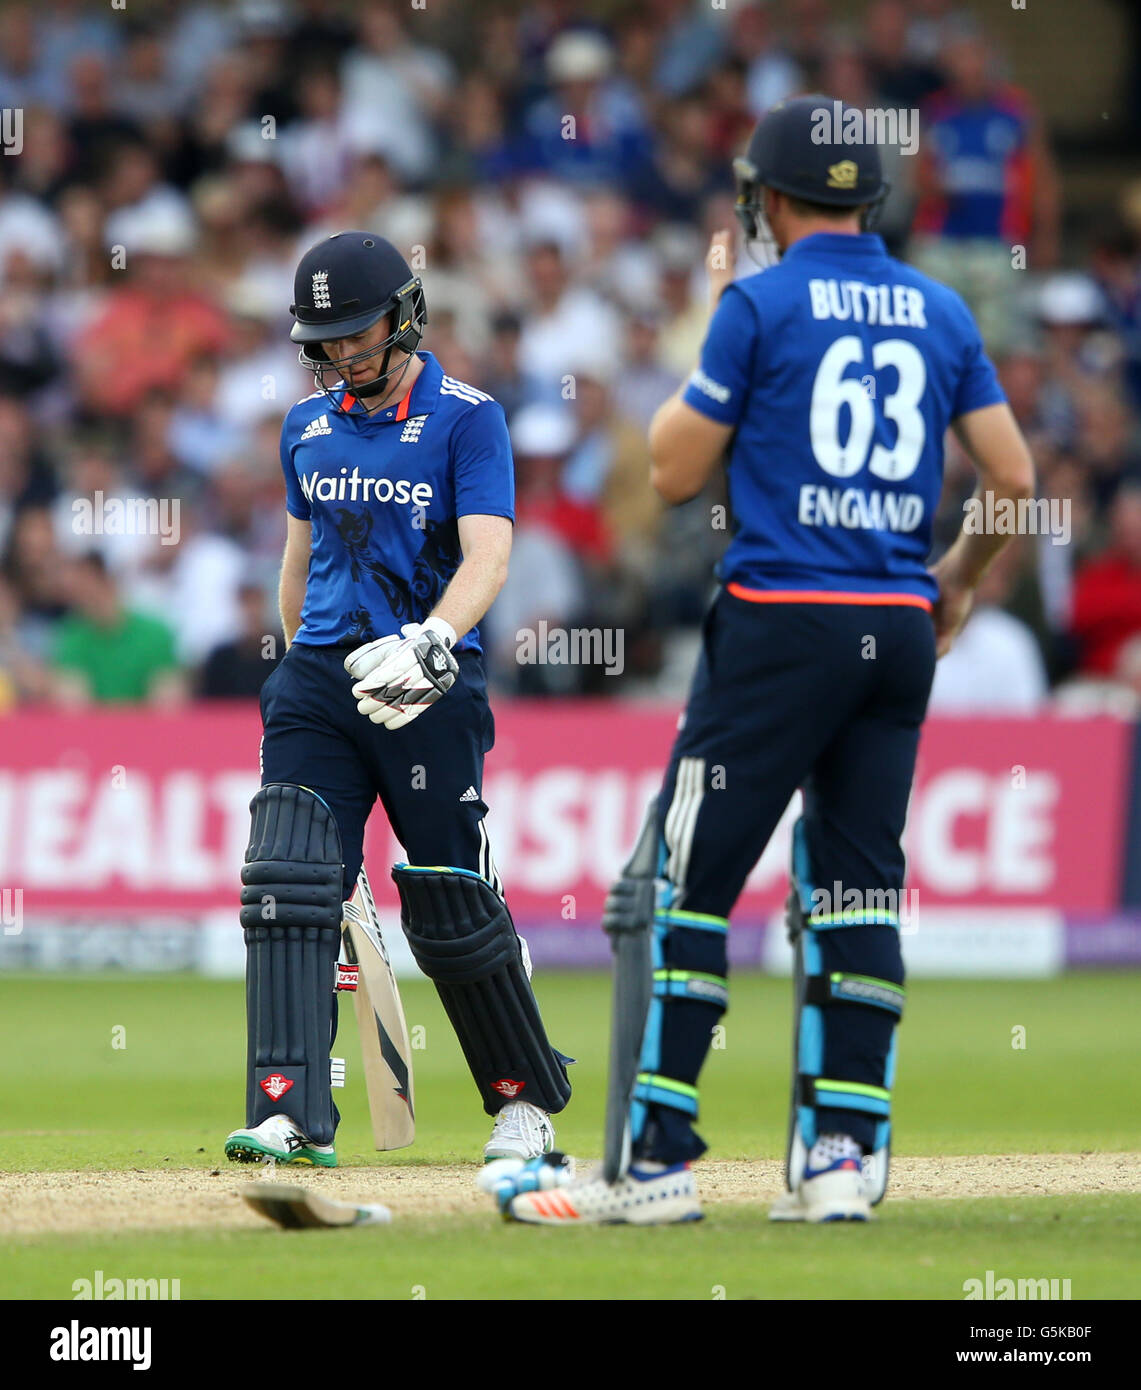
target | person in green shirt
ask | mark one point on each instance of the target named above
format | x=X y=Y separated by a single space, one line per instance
x=104 y=652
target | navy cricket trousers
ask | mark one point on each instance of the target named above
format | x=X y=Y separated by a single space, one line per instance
x=824 y=697
x=428 y=775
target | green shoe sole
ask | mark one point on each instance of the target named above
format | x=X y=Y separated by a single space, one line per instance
x=251 y=1151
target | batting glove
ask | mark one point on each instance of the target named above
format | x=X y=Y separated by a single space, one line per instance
x=397 y=678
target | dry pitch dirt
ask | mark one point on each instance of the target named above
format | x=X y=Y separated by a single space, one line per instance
x=65 y=1203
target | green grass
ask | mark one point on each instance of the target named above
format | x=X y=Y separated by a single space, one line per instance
x=70 y=1099
x=921 y=1250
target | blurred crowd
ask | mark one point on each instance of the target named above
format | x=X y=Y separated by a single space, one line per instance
x=555 y=180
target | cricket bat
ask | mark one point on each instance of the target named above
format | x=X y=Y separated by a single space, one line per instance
x=385 y=1049
x=296 y=1208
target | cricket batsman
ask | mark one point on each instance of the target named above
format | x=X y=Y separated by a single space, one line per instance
x=828 y=381
x=400 y=497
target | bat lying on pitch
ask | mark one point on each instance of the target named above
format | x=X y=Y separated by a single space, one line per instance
x=380 y=1022
x=296 y=1208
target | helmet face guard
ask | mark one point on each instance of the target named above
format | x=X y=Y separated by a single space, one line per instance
x=750 y=211
x=407 y=314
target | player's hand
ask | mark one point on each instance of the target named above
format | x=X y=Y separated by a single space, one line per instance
x=397 y=678
x=719 y=262
x=952 y=608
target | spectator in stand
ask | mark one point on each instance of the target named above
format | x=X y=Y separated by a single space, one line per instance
x=21 y=79
x=29 y=362
x=730 y=120
x=104 y=652
x=96 y=129
x=316 y=151
x=27 y=477
x=44 y=169
x=547 y=581
x=200 y=435
x=192 y=584
x=614 y=261
x=1107 y=442
x=142 y=90
x=685 y=315
x=1107 y=591
x=808 y=29
x=152 y=328
x=689 y=43
x=646 y=383
x=933 y=24
x=543 y=438
x=236 y=670
x=678 y=178
x=153 y=468
x=33 y=566
x=136 y=197
x=23 y=677
x=563 y=322
x=394 y=91
x=500 y=372
x=1116 y=264
x=607 y=467
x=995 y=665
x=608 y=141
x=771 y=75
x=987 y=186
x=899 y=79
x=479 y=147
x=92 y=470
x=260 y=374
x=68 y=30
x=28 y=227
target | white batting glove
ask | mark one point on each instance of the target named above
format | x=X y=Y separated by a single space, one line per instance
x=397 y=678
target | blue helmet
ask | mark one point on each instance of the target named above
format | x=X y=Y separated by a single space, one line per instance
x=345 y=284
x=799 y=148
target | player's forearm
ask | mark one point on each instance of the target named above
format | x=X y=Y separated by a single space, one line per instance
x=290 y=601
x=969 y=556
x=682 y=458
x=472 y=591
x=1006 y=475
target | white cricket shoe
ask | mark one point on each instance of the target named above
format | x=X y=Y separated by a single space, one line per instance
x=281 y=1139
x=649 y=1195
x=521 y=1130
x=832 y=1187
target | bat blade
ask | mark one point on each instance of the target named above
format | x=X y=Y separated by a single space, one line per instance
x=385 y=1046
x=300 y=1208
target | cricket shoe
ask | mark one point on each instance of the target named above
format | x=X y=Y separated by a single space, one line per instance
x=832 y=1187
x=279 y=1139
x=521 y=1130
x=649 y=1195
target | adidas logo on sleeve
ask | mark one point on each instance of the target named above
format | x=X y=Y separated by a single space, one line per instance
x=316 y=427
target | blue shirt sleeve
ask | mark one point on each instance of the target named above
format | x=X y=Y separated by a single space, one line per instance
x=978 y=380
x=483 y=470
x=719 y=385
x=295 y=501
